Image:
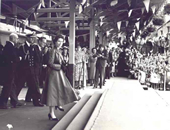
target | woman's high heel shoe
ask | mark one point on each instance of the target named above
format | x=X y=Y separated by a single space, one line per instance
x=52 y=119
x=60 y=108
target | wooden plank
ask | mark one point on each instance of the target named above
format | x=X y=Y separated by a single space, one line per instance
x=59 y=19
x=48 y=10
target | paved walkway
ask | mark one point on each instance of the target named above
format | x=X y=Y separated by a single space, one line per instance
x=127 y=106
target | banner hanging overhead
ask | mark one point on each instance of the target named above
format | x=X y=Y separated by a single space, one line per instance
x=42 y=3
x=146 y=3
x=153 y=9
x=134 y=33
x=129 y=2
x=119 y=25
x=66 y=23
x=80 y=9
x=137 y=25
x=143 y=9
x=129 y=13
x=114 y=2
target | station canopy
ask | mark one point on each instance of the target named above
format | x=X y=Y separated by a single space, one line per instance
x=113 y=16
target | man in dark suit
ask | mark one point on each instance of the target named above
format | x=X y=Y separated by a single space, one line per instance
x=29 y=69
x=11 y=60
x=43 y=64
x=1 y=65
x=100 y=66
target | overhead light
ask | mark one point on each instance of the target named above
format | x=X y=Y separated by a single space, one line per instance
x=113 y=3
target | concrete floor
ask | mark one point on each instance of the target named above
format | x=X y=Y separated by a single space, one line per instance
x=127 y=106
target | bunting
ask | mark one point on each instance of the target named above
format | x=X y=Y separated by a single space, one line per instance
x=129 y=2
x=129 y=13
x=146 y=3
x=96 y=33
x=143 y=9
x=114 y=2
x=131 y=38
x=153 y=9
x=80 y=9
x=101 y=23
x=42 y=3
x=107 y=33
x=66 y=23
x=119 y=25
x=137 y=25
x=134 y=33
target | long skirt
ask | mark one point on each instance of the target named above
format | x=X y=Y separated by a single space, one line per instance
x=58 y=90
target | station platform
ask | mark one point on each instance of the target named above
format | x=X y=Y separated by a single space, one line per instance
x=122 y=104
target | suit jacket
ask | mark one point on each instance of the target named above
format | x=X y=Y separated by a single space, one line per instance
x=11 y=60
x=101 y=61
x=31 y=57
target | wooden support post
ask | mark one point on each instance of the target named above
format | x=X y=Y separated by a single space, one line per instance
x=72 y=43
x=92 y=30
x=0 y=7
x=49 y=5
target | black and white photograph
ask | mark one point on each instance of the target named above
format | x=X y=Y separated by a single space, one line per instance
x=84 y=64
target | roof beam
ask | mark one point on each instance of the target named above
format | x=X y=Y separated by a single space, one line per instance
x=59 y=19
x=60 y=25
x=80 y=28
x=56 y=10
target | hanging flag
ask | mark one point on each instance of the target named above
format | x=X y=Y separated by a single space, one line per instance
x=101 y=18
x=129 y=2
x=113 y=3
x=80 y=9
x=134 y=33
x=84 y=2
x=96 y=33
x=129 y=13
x=101 y=23
x=127 y=22
x=119 y=35
x=143 y=9
x=131 y=38
x=144 y=23
x=107 y=33
x=153 y=9
x=137 y=25
x=146 y=3
x=66 y=23
x=138 y=19
x=42 y=3
x=119 y=25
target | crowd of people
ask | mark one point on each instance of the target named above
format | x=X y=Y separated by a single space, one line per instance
x=34 y=63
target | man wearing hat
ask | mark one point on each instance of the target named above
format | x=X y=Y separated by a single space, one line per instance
x=11 y=59
x=29 y=69
x=100 y=66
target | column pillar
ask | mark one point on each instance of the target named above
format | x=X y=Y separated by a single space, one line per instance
x=49 y=6
x=72 y=43
x=92 y=30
